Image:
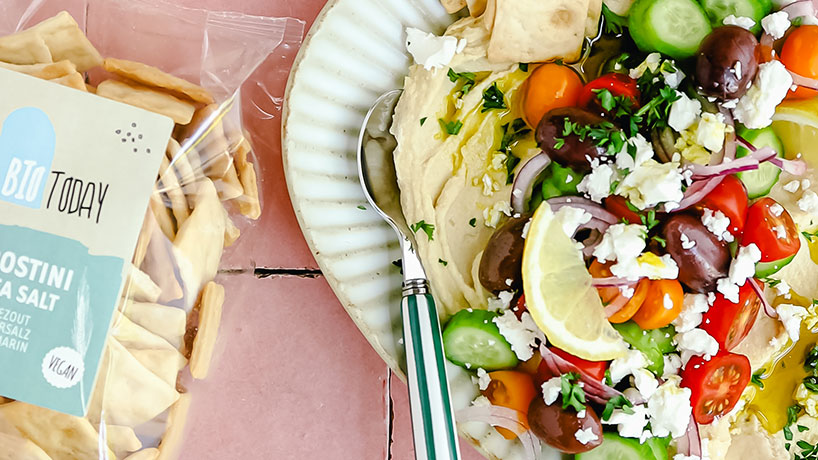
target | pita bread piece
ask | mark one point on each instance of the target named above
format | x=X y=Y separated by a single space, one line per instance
x=144 y=454
x=476 y=7
x=144 y=238
x=249 y=204
x=170 y=185
x=151 y=76
x=65 y=40
x=537 y=31
x=210 y=316
x=130 y=394
x=134 y=336
x=162 y=213
x=453 y=6
x=149 y=99
x=200 y=242
x=14 y=447
x=58 y=435
x=140 y=286
x=229 y=186
x=165 y=364
x=44 y=71
x=171 y=444
x=122 y=440
x=72 y=80
x=231 y=232
x=24 y=48
x=166 y=322
x=161 y=266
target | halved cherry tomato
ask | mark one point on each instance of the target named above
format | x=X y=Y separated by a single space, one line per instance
x=662 y=304
x=511 y=389
x=729 y=197
x=618 y=84
x=765 y=229
x=728 y=322
x=800 y=55
x=550 y=86
x=594 y=369
x=640 y=293
x=618 y=206
x=600 y=270
x=520 y=307
x=716 y=385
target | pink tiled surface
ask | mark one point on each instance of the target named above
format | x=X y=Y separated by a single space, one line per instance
x=292 y=378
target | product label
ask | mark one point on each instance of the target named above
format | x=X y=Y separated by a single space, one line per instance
x=76 y=174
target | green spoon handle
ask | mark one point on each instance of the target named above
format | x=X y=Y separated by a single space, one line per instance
x=433 y=422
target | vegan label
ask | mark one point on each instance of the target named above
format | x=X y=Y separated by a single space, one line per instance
x=76 y=174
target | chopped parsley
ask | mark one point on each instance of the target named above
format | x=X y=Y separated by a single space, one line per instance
x=756 y=378
x=801 y=428
x=810 y=236
x=604 y=134
x=473 y=221
x=617 y=402
x=423 y=120
x=512 y=132
x=662 y=242
x=362 y=207
x=649 y=219
x=772 y=282
x=613 y=22
x=811 y=361
x=442 y=262
x=808 y=451
x=429 y=229
x=524 y=66
x=792 y=417
x=559 y=143
x=451 y=128
x=608 y=378
x=572 y=393
x=493 y=98
x=467 y=78
x=811 y=383
x=660 y=96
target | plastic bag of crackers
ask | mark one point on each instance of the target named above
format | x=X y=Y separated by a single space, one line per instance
x=189 y=65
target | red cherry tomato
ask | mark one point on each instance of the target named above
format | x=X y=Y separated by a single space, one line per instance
x=716 y=385
x=728 y=322
x=618 y=206
x=764 y=229
x=520 y=307
x=618 y=84
x=594 y=369
x=729 y=197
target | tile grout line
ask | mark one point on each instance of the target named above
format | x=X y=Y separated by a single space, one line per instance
x=390 y=419
x=263 y=273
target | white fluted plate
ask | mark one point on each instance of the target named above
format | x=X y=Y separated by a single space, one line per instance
x=355 y=52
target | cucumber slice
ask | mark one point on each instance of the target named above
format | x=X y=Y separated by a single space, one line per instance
x=760 y=181
x=672 y=27
x=472 y=340
x=765 y=269
x=717 y=10
x=653 y=343
x=659 y=447
x=615 y=447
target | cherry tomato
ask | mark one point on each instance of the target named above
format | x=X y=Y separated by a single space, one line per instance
x=640 y=293
x=520 y=307
x=618 y=84
x=765 y=229
x=728 y=322
x=729 y=197
x=800 y=55
x=618 y=206
x=662 y=304
x=511 y=389
x=550 y=86
x=600 y=270
x=716 y=385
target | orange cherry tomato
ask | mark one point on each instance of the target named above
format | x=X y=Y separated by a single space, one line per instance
x=662 y=304
x=511 y=389
x=550 y=86
x=800 y=55
x=640 y=293
x=600 y=270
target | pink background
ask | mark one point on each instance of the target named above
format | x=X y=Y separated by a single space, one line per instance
x=292 y=378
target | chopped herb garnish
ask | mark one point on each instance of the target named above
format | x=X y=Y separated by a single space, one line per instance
x=608 y=378
x=572 y=393
x=756 y=378
x=473 y=221
x=423 y=120
x=559 y=143
x=808 y=451
x=451 y=128
x=810 y=236
x=442 y=262
x=772 y=282
x=524 y=66
x=613 y=22
x=466 y=77
x=512 y=132
x=429 y=229
x=362 y=207
x=606 y=98
x=801 y=428
x=617 y=402
x=792 y=417
x=493 y=98
x=662 y=242
x=604 y=134
x=811 y=361
x=811 y=383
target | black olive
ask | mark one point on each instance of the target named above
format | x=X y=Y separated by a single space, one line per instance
x=503 y=257
x=701 y=257
x=727 y=62
x=571 y=151
x=557 y=427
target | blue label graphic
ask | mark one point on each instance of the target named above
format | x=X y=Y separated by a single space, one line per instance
x=27 y=145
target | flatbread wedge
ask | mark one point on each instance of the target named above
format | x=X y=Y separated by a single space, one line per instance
x=152 y=76
x=210 y=315
x=147 y=98
x=14 y=447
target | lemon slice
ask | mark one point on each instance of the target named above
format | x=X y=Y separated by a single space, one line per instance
x=559 y=294
x=796 y=123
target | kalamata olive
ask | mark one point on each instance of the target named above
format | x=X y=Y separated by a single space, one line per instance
x=503 y=257
x=727 y=62
x=558 y=427
x=701 y=257
x=572 y=152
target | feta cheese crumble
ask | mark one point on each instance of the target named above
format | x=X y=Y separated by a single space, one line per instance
x=808 y=202
x=651 y=62
x=520 y=334
x=776 y=24
x=627 y=365
x=742 y=267
x=692 y=309
x=791 y=317
x=710 y=132
x=501 y=302
x=585 y=436
x=597 y=184
x=483 y=379
x=741 y=21
x=673 y=363
x=780 y=232
x=792 y=186
x=644 y=152
x=756 y=108
x=717 y=223
x=431 y=51
x=696 y=342
x=776 y=210
x=684 y=112
x=653 y=183
x=686 y=243
x=645 y=382
x=492 y=215
x=571 y=218
x=669 y=409
x=481 y=401
x=551 y=390
x=629 y=425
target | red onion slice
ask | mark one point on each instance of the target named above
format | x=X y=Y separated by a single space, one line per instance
x=728 y=151
x=611 y=281
x=507 y=418
x=691 y=443
x=794 y=167
x=594 y=209
x=746 y=163
x=768 y=309
x=802 y=81
x=799 y=9
x=594 y=389
x=697 y=191
x=525 y=179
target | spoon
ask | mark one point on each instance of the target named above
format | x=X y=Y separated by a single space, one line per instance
x=429 y=398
